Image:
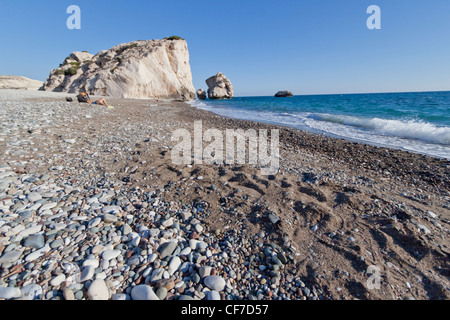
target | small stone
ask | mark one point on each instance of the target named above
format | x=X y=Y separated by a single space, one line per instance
x=432 y=214
x=10 y=256
x=56 y=281
x=94 y=222
x=98 y=290
x=111 y=210
x=119 y=296
x=215 y=283
x=36 y=241
x=282 y=258
x=167 y=248
x=91 y=262
x=109 y=218
x=48 y=206
x=56 y=243
x=87 y=273
x=168 y=223
x=161 y=293
x=10 y=293
x=174 y=264
x=30 y=231
x=424 y=229
x=169 y=284
x=110 y=254
x=143 y=292
x=34 y=196
x=38 y=253
x=32 y=292
x=198 y=228
x=204 y=271
x=68 y=294
x=273 y=218
x=212 y=295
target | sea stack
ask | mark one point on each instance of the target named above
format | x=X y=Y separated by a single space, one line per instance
x=282 y=94
x=201 y=94
x=219 y=87
x=135 y=70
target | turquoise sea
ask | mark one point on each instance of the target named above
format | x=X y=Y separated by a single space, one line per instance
x=416 y=121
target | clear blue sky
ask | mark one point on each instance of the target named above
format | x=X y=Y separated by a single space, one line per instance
x=305 y=46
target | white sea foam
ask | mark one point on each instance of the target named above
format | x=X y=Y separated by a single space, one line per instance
x=412 y=135
x=410 y=129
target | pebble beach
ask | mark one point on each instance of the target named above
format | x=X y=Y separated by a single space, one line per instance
x=92 y=208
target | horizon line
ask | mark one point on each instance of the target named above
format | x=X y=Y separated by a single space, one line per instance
x=353 y=93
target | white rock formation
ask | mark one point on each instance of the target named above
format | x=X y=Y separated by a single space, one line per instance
x=18 y=82
x=219 y=87
x=136 y=70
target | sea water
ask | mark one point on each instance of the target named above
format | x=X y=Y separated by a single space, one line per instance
x=417 y=121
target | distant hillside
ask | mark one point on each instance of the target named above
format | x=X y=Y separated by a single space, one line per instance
x=19 y=82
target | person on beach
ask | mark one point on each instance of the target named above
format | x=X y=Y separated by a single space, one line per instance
x=84 y=98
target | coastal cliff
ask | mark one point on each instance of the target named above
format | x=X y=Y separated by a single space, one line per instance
x=135 y=70
x=19 y=82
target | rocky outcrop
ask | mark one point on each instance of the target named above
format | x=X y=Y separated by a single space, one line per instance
x=136 y=70
x=282 y=94
x=201 y=94
x=219 y=87
x=19 y=82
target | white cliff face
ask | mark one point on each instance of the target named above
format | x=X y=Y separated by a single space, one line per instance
x=137 y=70
x=18 y=82
x=219 y=87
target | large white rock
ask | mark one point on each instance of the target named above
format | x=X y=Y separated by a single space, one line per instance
x=137 y=70
x=219 y=87
x=18 y=82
